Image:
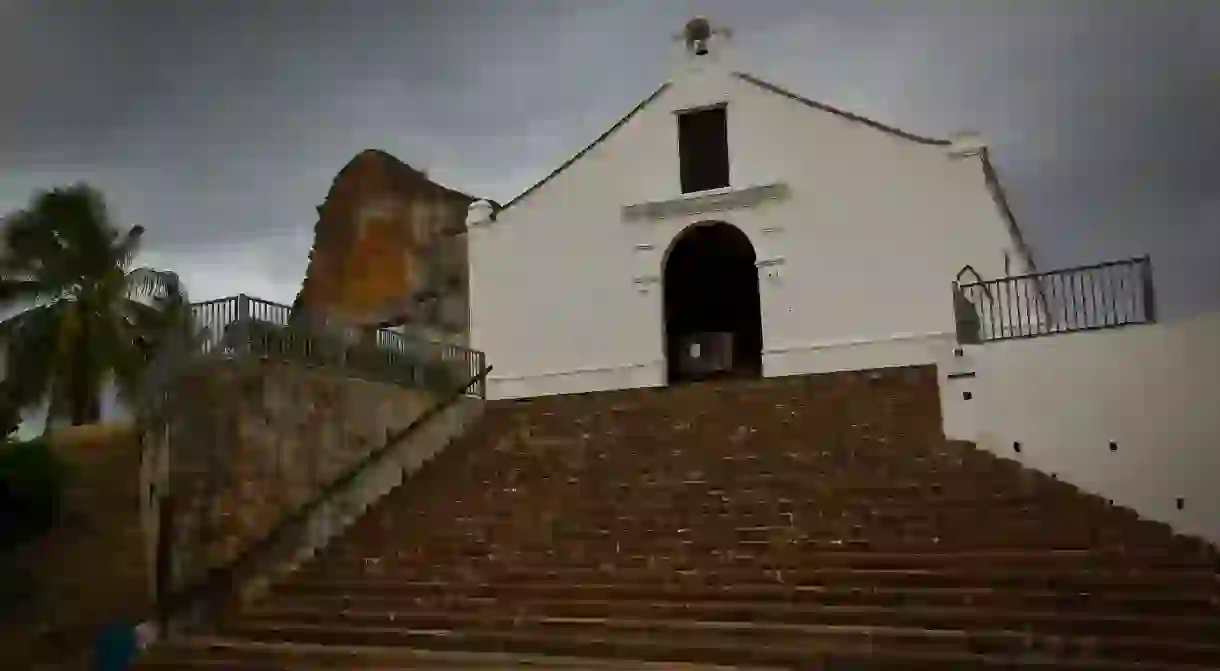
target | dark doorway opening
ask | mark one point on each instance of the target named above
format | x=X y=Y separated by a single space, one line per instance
x=713 y=320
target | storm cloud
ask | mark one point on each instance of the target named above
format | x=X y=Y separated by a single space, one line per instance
x=219 y=124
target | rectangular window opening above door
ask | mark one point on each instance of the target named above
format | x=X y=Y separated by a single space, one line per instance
x=703 y=149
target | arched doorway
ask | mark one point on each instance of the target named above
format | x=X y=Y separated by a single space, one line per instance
x=713 y=321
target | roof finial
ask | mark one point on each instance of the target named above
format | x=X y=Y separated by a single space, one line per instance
x=698 y=33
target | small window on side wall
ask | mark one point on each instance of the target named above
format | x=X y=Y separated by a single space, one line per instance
x=703 y=149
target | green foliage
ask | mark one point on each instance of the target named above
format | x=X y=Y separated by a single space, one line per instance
x=87 y=319
x=32 y=483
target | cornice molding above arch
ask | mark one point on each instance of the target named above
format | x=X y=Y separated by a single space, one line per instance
x=704 y=202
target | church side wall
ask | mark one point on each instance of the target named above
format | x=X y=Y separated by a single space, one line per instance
x=856 y=263
x=1123 y=413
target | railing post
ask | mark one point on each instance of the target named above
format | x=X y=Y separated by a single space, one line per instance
x=243 y=307
x=482 y=358
x=246 y=329
x=1149 y=292
x=965 y=318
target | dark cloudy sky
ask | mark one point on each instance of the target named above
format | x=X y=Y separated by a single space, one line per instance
x=219 y=124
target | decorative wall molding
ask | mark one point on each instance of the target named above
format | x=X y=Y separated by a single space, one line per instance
x=576 y=371
x=931 y=337
x=935 y=337
x=645 y=282
x=718 y=200
x=771 y=268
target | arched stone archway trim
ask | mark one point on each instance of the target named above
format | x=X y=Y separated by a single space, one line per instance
x=771 y=268
x=686 y=230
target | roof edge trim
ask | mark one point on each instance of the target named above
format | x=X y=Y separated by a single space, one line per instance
x=992 y=178
x=850 y=116
x=601 y=138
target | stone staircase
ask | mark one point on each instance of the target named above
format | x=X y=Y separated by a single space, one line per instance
x=807 y=522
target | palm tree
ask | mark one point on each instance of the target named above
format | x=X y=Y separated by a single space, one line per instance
x=86 y=320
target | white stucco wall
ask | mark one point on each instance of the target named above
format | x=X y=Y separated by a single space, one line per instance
x=862 y=251
x=1153 y=390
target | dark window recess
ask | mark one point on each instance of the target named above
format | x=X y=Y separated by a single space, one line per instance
x=703 y=148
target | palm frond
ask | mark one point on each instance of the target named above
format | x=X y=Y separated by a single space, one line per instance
x=19 y=291
x=129 y=246
x=155 y=284
x=31 y=354
x=18 y=323
x=78 y=216
x=63 y=239
x=102 y=324
x=163 y=328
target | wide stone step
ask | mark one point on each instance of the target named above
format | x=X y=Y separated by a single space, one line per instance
x=574 y=510
x=716 y=642
x=240 y=655
x=999 y=560
x=728 y=529
x=893 y=501
x=825 y=531
x=710 y=466
x=365 y=611
x=811 y=533
x=856 y=481
x=338 y=593
x=1200 y=582
x=555 y=516
x=713 y=509
x=787 y=547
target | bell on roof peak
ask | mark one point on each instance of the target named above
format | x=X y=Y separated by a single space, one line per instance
x=698 y=34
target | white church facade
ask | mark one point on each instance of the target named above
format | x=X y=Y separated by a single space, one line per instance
x=727 y=226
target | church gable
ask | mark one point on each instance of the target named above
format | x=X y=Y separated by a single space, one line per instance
x=640 y=161
x=704 y=79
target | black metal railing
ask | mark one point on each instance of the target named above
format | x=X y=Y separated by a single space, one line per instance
x=248 y=325
x=209 y=596
x=1101 y=296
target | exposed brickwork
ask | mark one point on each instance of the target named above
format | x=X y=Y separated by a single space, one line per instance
x=815 y=522
x=385 y=236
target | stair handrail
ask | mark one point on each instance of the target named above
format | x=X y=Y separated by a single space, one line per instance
x=170 y=602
